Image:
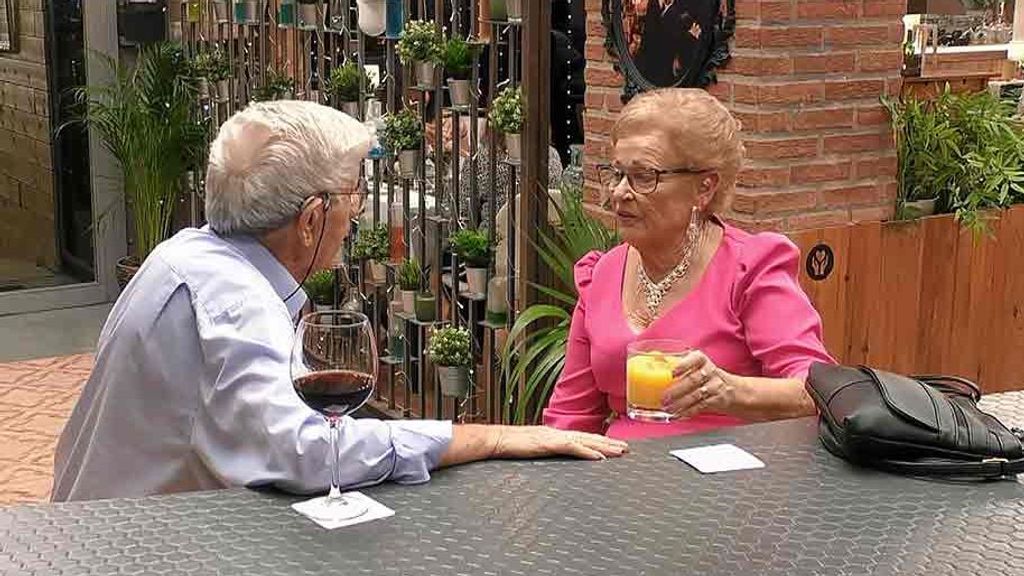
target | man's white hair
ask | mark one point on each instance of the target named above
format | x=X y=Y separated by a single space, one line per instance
x=271 y=156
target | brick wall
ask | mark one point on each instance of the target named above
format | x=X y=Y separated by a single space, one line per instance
x=805 y=80
x=26 y=176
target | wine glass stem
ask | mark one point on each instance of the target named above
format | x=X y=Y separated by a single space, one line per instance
x=335 y=494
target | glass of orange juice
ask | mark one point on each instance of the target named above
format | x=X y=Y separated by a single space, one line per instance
x=649 y=367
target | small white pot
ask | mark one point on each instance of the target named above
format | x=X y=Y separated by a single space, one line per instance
x=371 y=16
x=309 y=16
x=409 y=301
x=408 y=163
x=477 y=280
x=454 y=380
x=513 y=145
x=425 y=74
x=459 y=92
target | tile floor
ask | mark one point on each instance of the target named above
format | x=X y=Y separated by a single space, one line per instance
x=36 y=397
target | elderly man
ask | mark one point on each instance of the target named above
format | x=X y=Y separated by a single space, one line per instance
x=191 y=386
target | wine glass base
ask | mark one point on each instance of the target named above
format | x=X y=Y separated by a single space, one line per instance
x=334 y=509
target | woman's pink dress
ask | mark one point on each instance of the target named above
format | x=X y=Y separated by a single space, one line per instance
x=747 y=313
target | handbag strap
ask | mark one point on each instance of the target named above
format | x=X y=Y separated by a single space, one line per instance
x=990 y=468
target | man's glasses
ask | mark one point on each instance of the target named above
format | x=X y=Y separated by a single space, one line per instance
x=642 y=181
x=358 y=195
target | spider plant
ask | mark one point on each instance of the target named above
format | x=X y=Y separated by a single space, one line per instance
x=147 y=119
x=534 y=354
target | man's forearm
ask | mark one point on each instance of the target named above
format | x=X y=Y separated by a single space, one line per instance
x=472 y=442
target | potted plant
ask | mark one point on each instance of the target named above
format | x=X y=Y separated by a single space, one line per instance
x=473 y=247
x=448 y=349
x=309 y=14
x=145 y=118
x=458 y=59
x=402 y=135
x=410 y=278
x=345 y=84
x=248 y=11
x=320 y=289
x=276 y=86
x=421 y=46
x=426 y=306
x=506 y=117
x=213 y=66
x=221 y=12
x=372 y=246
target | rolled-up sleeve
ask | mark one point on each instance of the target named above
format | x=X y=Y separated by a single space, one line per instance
x=251 y=428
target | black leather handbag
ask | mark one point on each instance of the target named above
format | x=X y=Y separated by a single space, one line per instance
x=920 y=426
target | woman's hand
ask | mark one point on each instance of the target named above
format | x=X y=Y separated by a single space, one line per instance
x=700 y=386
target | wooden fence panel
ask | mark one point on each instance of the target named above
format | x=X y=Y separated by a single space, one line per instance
x=923 y=296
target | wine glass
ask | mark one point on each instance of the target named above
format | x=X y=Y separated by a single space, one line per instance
x=334 y=369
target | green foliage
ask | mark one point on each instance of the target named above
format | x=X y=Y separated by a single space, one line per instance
x=507 y=111
x=535 y=349
x=473 y=247
x=277 y=86
x=372 y=244
x=421 y=41
x=965 y=150
x=410 y=275
x=320 y=287
x=458 y=58
x=402 y=131
x=146 y=118
x=449 y=346
x=346 y=80
x=213 y=65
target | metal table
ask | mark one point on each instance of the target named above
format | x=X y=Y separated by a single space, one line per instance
x=805 y=513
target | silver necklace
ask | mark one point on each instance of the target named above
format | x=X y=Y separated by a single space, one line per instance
x=655 y=292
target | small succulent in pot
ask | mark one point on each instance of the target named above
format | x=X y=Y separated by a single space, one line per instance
x=506 y=116
x=410 y=279
x=320 y=289
x=473 y=247
x=458 y=58
x=449 y=350
x=421 y=45
x=372 y=245
x=347 y=81
x=402 y=136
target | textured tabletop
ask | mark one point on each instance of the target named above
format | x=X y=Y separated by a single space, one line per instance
x=805 y=513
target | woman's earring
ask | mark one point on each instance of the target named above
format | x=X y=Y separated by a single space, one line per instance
x=696 y=226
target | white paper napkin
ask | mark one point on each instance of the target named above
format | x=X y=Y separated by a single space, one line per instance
x=718 y=458
x=374 y=511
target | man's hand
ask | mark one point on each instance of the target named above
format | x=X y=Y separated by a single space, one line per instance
x=472 y=442
x=539 y=441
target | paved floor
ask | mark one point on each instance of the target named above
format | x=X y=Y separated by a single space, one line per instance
x=36 y=397
x=51 y=333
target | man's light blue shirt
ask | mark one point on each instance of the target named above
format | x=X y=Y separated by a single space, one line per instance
x=191 y=389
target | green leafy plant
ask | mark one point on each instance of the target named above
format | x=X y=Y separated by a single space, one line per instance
x=410 y=275
x=320 y=287
x=421 y=41
x=372 y=244
x=473 y=247
x=535 y=350
x=277 y=86
x=402 y=131
x=449 y=346
x=346 y=81
x=506 y=113
x=458 y=57
x=964 y=150
x=212 y=65
x=146 y=119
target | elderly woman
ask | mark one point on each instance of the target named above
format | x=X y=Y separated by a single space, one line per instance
x=686 y=275
x=191 y=388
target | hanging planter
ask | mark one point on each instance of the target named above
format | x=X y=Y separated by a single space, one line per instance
x=473 y=247
x=449 y=350
x=248 y=11
x=309 y=14
x=371 y=16
x=455 y=381
x=506 y=116
x=372 y=246
x=345 y=84
x=426 y=307
x=408 y=162
x=513 y=145
x=425 y=74
x=402 y=135
x=221 y=13
x=421 y=46
x=458 y=60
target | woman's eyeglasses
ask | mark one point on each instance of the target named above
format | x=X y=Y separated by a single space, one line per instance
x=642 y=181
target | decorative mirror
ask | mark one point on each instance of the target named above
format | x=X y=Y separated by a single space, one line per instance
x=668 y=43
x=8 y=25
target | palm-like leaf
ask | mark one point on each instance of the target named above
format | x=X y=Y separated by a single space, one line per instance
x=534 y=356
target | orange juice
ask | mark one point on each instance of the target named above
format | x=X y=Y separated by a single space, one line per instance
x=649 y=373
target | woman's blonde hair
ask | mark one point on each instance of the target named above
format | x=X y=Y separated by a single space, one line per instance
x=699 y=131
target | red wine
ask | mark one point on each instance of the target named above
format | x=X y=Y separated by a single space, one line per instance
x=335 y=392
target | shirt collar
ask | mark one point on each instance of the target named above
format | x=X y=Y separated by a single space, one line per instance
x=281 y=280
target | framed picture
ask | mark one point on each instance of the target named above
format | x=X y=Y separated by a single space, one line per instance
x=8 y=25
x=668 y=43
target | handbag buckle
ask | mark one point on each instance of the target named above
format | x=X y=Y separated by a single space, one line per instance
x=994 y=460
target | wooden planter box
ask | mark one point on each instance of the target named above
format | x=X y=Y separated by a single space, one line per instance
x=922 y=296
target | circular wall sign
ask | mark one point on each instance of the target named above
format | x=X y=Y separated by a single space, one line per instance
x=820 y=262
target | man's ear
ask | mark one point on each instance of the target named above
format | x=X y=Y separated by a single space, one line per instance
x=310 y=219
